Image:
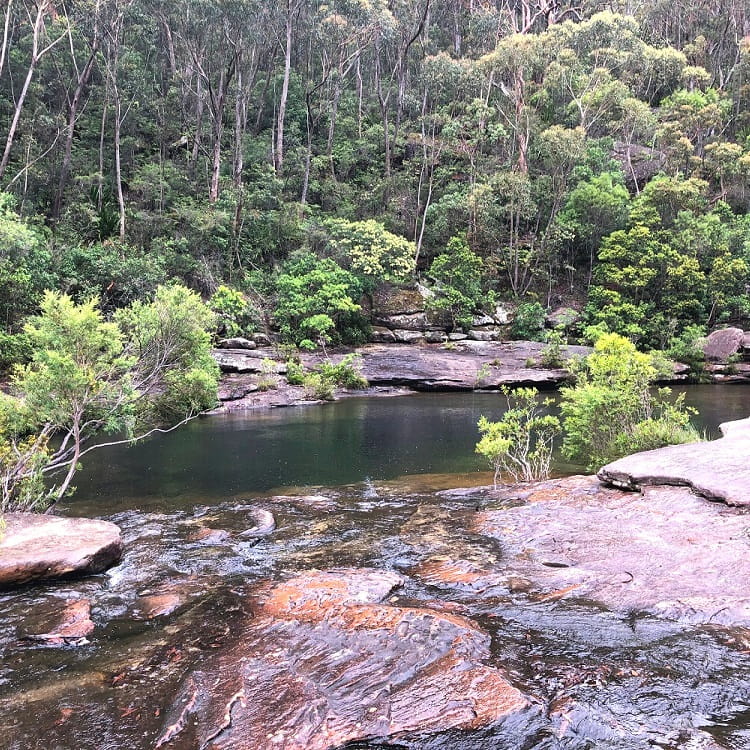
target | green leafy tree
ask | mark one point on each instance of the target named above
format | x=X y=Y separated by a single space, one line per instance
x=458 y=276
x=316 y=297
x=520 y=444
x=370 y=251
x=611 y=410
x=151 y=365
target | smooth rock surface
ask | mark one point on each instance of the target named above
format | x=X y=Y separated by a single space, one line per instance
x=717 y=469
x=39 y=547
x=665 y=551
x=238 y=342
x=431 y=367
x=722 y=344
x=342 y=666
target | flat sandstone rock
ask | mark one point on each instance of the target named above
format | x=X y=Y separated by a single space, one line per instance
x=341 y=666
x=717 y=469
x=38 y=547
x=664 y=551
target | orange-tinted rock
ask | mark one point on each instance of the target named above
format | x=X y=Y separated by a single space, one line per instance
x=312 y=595
x=440 y=571
x=159 y=605
x=325 y=663
x=62 y=622
x=39 y=547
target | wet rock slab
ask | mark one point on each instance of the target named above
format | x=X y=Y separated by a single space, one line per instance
x=325 y=662
x=665 y=551
x=38 y=547
x=59 y=622
x=718 y=470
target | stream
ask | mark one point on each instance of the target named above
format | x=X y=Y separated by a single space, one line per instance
x=353 y=484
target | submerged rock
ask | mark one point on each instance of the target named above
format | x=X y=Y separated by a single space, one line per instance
x=717 y=470
x=342 y=666
x=38 y=547
x=60 y=622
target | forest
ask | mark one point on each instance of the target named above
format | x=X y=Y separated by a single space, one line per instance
x=283 y=159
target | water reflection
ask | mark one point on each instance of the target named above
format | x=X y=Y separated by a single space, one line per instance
x=339 y=443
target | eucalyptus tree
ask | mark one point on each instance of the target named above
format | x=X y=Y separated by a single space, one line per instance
x=39 y=29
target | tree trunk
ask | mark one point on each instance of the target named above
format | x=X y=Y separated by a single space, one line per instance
x=6 y=35
x=83 y=80
x=36 y=32
x=281 y=114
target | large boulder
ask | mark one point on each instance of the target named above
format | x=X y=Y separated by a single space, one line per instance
x=37 y=547
x=238 y=342
x=722 y=344
x=341 y=666
x=388 y=300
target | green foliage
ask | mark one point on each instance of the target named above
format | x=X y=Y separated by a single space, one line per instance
x=520 y=444
x=688 y=346
x=370 y=251
x=25 y=266
x=347 y=373
x=458 y=277
x=611 y=412
x=528 y=324
x=318 y=387
x=15 y=348
x=268 y=381
x=236 y=316
x=552 y=351
x=114 y=272
x=151 y=364
x=295 y=372
x=316 y=297
x=171 y=341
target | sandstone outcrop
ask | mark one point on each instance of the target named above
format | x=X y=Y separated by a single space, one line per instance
x=717 y=470
x=38 y=547
x=342 y=666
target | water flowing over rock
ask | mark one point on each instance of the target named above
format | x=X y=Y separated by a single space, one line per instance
x=717 y=470
x=342 y=666
x=37 y=547
x=61 y=622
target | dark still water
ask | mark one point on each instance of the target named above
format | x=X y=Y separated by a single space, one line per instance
x=419 y=439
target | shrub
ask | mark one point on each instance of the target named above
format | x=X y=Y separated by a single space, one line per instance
x=268 y=381
x=520 y=444
x=552 y=353
x=318 y=387
x=317 y=297
x=295 y=372
x=235 y=315
x=611 y=412
x=347 y=373
x=529 y=322
x=458 y=277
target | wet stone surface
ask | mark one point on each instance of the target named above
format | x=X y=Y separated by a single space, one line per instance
x=379 y=618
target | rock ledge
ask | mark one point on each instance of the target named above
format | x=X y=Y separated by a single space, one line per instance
x=717 y=470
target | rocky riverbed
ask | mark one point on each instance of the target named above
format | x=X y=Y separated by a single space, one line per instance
x=564 y=614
